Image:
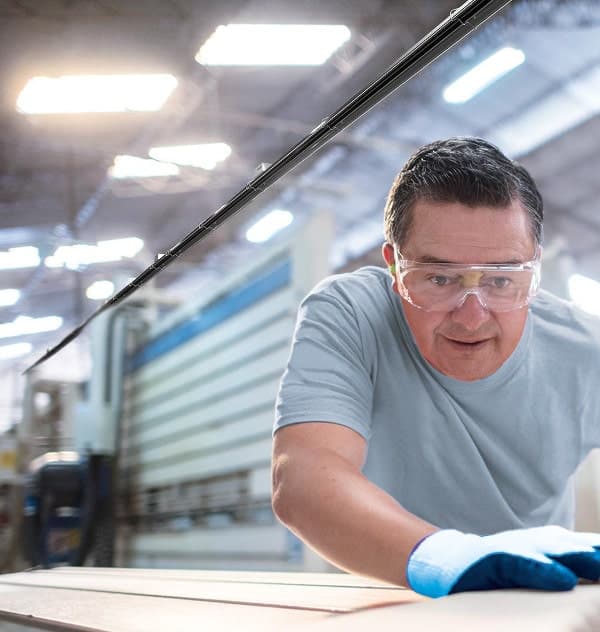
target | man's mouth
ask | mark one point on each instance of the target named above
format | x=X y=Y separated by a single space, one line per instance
x=467 y=344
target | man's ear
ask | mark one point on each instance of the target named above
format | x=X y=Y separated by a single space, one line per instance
x=387 y=251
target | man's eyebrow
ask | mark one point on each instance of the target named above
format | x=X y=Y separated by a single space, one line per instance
x=432 y=259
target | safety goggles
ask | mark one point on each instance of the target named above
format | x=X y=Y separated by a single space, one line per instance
x=443 y=287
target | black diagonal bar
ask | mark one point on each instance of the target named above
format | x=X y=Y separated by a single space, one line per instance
x=455 y=27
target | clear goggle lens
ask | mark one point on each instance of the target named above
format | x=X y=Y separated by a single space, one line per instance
x=443 y=287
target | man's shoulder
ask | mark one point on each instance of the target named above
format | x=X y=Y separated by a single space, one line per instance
x=546 y=303
x=564 y=319
x=365 y=292
x=352 y=286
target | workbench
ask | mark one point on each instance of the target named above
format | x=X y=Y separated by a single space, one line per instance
x=136 y=600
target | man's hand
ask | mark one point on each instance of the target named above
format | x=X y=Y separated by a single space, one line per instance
x=544 y=558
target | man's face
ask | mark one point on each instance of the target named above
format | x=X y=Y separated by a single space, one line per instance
x=469 y=342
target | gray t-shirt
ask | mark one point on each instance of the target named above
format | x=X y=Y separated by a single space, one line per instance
x=481 y=456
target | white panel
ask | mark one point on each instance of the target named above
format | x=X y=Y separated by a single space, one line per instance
x=260 y=482
x=194 y=370
x=202 y=389
x=208 y=439
x=242 y=457
x=260 y=539
x=236 y=406
x=232 y=328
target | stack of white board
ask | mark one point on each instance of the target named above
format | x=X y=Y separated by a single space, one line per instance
x=136 y=600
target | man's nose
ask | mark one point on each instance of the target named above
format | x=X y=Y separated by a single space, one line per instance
x=471 y=314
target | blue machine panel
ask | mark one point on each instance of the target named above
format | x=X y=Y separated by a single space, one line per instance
x=212 y=315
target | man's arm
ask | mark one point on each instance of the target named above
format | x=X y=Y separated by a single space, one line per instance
x=321 y=495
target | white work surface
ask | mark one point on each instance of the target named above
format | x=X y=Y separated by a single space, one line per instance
x=128 y=600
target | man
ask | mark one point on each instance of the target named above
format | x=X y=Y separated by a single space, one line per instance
x=432 y=414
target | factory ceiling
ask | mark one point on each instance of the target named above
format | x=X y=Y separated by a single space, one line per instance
x=54 y=187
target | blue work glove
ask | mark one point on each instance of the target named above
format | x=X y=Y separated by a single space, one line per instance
x=544 y=558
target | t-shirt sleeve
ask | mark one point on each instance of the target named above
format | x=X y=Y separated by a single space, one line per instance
x=327 y=378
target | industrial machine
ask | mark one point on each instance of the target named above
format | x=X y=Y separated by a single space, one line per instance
x=196 y=427
x=162 y=459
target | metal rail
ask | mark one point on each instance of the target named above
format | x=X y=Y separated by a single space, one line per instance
x=454 y=28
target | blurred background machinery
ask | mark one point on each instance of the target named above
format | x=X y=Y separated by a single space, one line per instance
x=163 y=458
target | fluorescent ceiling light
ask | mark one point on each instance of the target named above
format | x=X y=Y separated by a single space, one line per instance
x=124 y=247
x=134 y=167
x=206 y=156
x=22 y=257
x=8 y=352
x=73 y=257
x=585 y=293
x=23 y=325
x=9 y=297
x=483 y=75
x=270 y=224
x=272 y=44
x=95 y=93
x=100 y=290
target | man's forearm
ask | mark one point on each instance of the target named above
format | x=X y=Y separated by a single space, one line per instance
x=347 y=519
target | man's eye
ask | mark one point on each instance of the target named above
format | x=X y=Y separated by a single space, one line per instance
x=499 y=283
x=440 y=280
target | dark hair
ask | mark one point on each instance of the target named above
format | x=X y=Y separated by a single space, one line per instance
x=470 y=171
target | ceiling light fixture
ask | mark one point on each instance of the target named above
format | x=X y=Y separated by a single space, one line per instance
x=77 y=255
x=100 y=290
x=268 y=226
x=483 y=75
x=134 y=167
x=125 y=247
x=95 y=93
x=585 y=293
x=22 y=257
x=272 y=44
x=9 y=297
x=205 y=156
x=24 y=325
x=8 y=352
